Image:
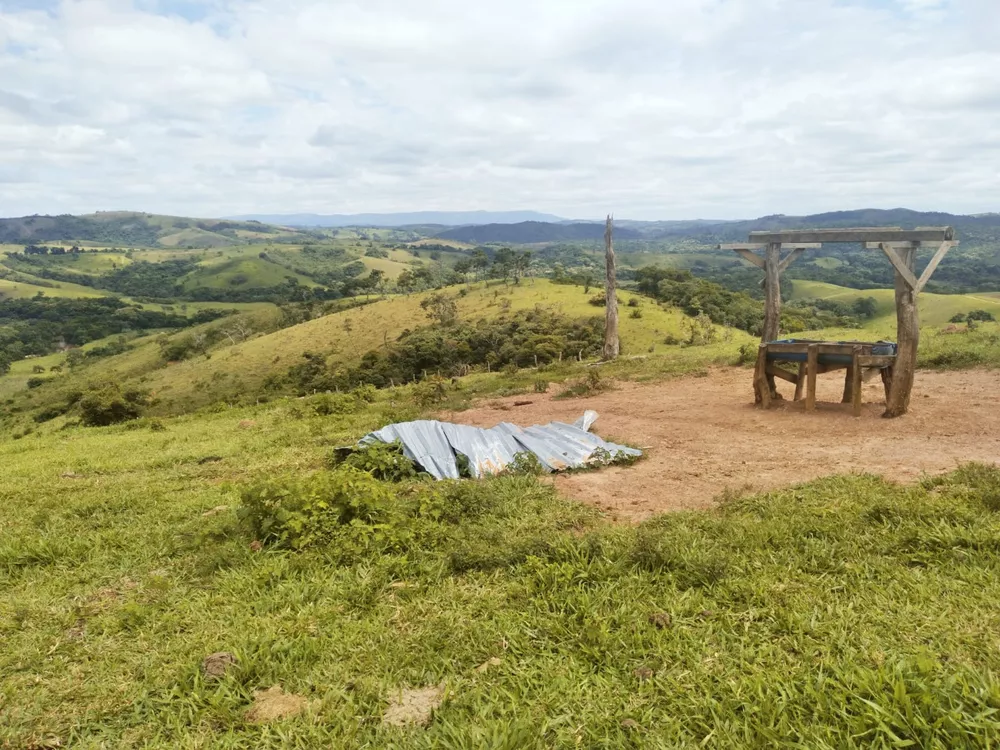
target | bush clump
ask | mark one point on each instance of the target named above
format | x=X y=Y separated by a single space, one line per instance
x=111 y=405
x=303 y=512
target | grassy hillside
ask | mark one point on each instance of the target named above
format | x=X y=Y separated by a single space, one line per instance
x=935 y=309
x=845 y=612
x=136 y=229
x=235 y=372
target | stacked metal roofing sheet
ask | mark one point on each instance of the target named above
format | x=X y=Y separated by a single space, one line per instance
x=435 y=445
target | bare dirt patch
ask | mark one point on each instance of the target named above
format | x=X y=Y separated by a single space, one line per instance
x=273 y=704
x=704 y=436
x=413 y=706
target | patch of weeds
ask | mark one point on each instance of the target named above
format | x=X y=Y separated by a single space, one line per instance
x=591 y=385
x=384 y=461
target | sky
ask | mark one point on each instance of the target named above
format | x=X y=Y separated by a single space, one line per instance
x=648 y=109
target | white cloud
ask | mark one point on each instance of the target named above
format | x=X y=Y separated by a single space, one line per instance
x=721 y=108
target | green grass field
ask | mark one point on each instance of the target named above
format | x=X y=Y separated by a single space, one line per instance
x=848 y=612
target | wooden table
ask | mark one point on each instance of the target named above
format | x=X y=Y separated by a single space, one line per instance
x=858 y=358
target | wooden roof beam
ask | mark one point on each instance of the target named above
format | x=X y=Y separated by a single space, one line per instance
x=859 y=234
x=737 y=246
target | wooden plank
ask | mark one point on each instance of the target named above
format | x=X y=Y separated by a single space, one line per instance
x=803 y=348
x=857 y=234
x=902 y=271
x=932 y=266
x=875 y=245
x=856 y=382
x=778 y=372
x=800 y=382
x=763 y=246
x=812 y=364
x=751 y=256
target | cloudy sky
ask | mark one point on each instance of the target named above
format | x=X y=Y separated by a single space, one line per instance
x=647 y=108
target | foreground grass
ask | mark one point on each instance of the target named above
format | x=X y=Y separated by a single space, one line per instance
x=849 y=612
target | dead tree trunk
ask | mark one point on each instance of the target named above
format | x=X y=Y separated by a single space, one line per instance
x=907 y=338
x=772 y=306
x=611 y=345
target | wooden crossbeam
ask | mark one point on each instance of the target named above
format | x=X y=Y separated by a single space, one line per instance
x=778 y=372
x=878 y=245
x=897 y=263
x=859 y=234
x=763 y=246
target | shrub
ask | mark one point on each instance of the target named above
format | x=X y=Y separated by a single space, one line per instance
x=35 y=382
x=633 y=302
x=326 y=404
x=748 y=354
x=635 y=314
x=541 y=386
x=110 y=405
x=384 y=461
x=525 y=463
x=591 y=385
x=317 y=509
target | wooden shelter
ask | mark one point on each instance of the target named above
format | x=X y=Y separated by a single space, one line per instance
x=900 y=247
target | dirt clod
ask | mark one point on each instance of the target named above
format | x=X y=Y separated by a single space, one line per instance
x=273 y=704
x=256 y=545
x=661 y=620
x=247 y=423
x=643 y=673
x=214 y=666
x=413 y=706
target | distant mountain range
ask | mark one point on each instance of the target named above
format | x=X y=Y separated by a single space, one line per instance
x=532 y=232
x=131 y=228
x=444 y=218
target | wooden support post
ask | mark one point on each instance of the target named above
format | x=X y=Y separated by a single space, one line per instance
x=907 y=337
x=812 y=368
x=856 y=381
x=848 y=380
x=887 y=382
x=802 y=381
x=772 y=304
x=761 y=389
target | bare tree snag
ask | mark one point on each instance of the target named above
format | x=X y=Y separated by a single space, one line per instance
x=611 y=344
x=907 y=337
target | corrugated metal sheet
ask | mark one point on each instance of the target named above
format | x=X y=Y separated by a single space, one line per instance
x=435 y=445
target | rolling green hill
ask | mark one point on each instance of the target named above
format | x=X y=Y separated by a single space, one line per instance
x=136 y=229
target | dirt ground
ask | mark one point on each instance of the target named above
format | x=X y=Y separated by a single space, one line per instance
x=703 y=435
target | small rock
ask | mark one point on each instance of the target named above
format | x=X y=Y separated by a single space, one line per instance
x=661 y=620
x=274 y=703
x=523 y=403
x=413 y=707
x=215 y=511
x=214 y=666
x=643 y=673
x=485 y=666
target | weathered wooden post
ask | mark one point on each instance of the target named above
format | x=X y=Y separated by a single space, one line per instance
x=907 y=333
x=772 y=305
x=611 y=344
